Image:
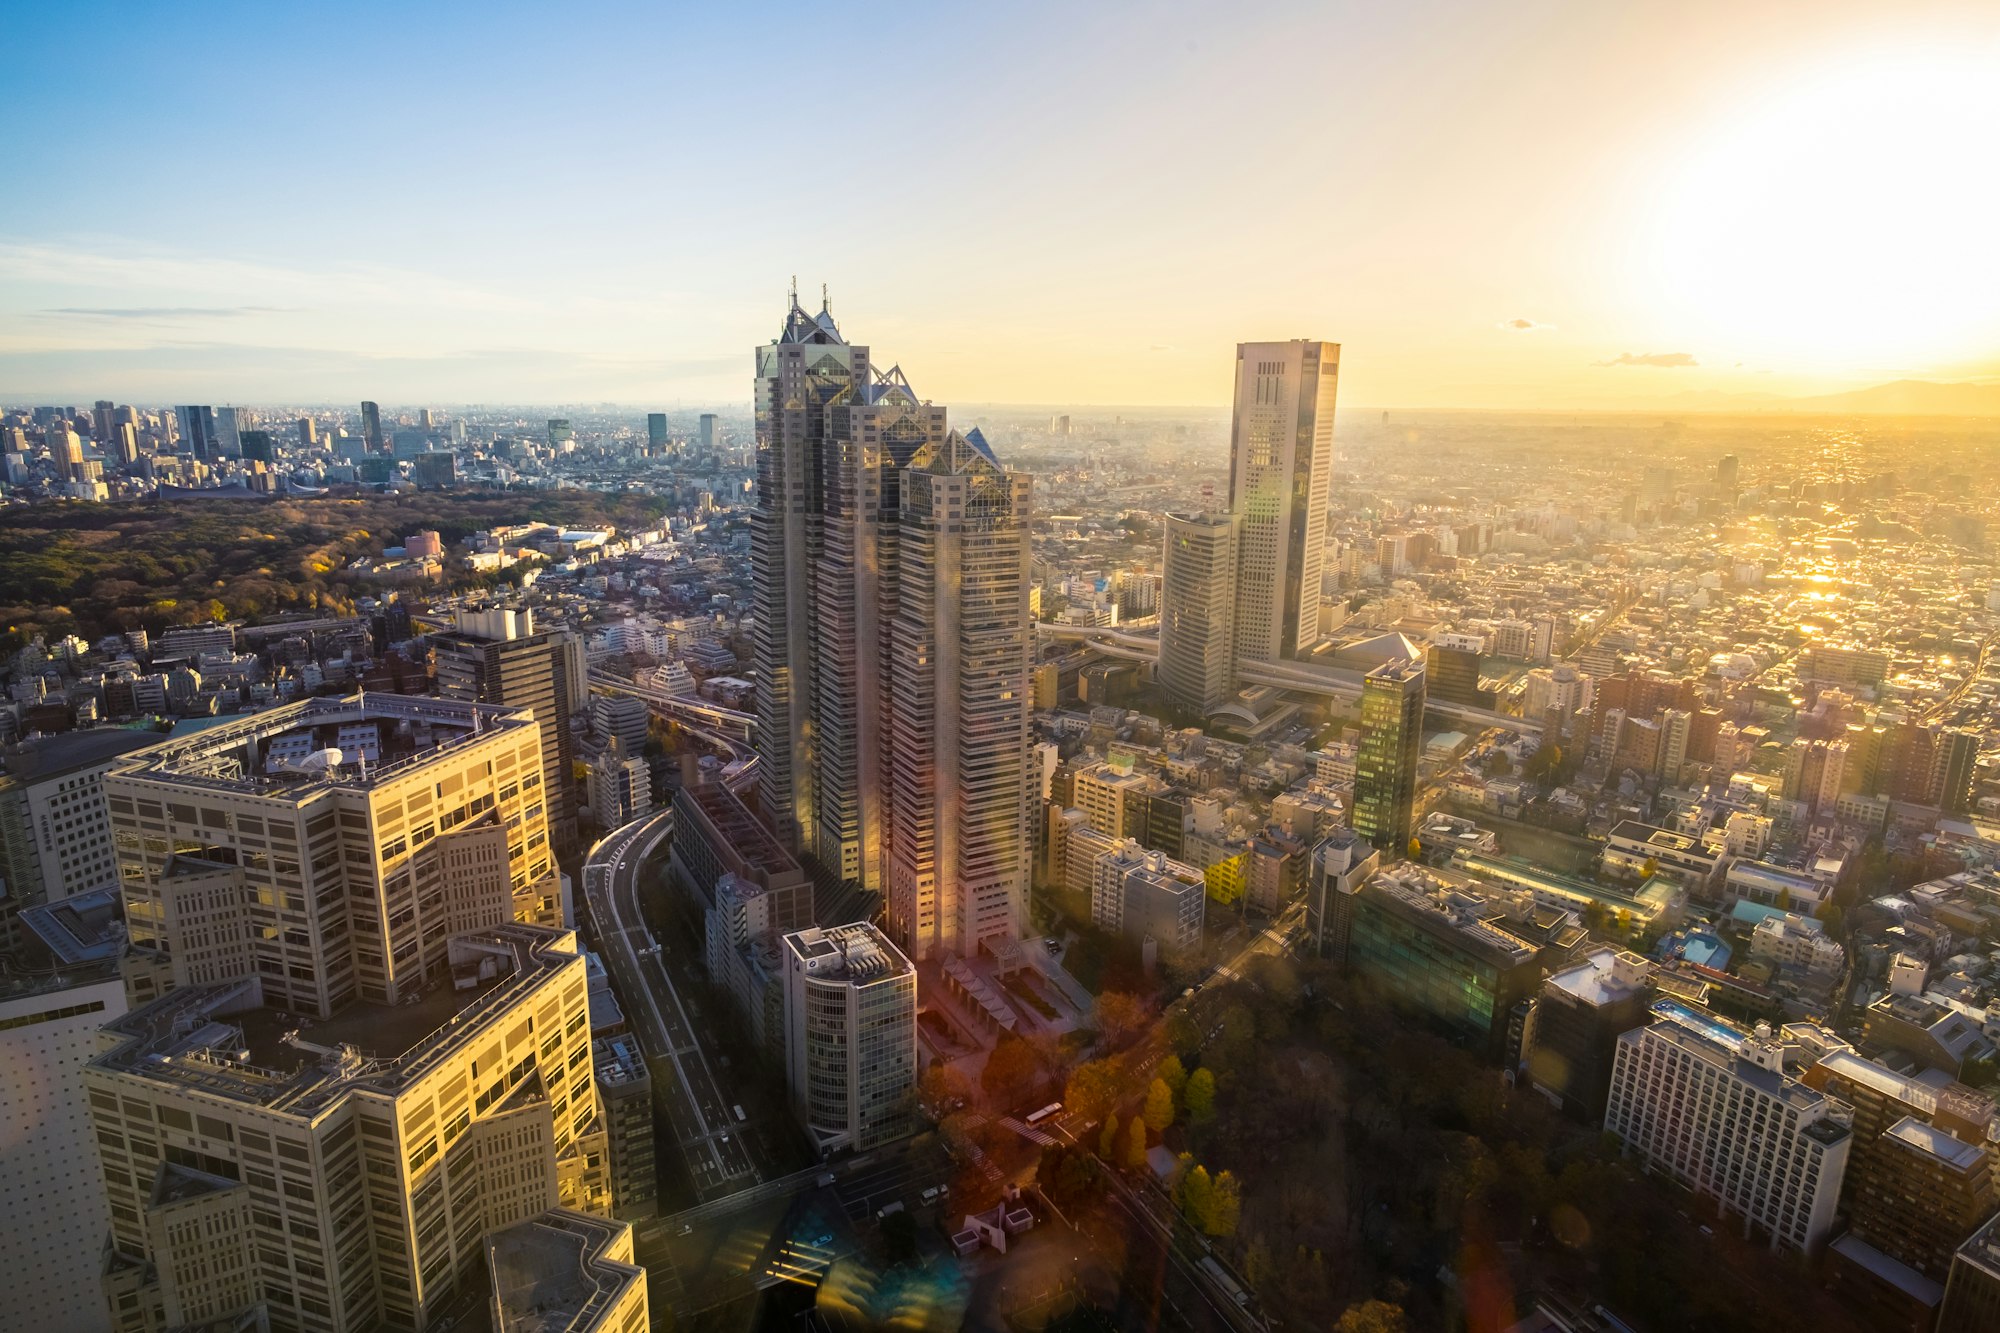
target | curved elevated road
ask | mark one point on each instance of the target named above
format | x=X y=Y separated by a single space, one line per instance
x=685 y=1089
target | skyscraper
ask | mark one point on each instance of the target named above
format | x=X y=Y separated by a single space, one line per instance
x=1281 y=468
x=1198 y=610
x=498 y=657
x=708 y=420
x=228 y=433
x=656 y=430
x=889 y=558
x=308 y=432
x=371 y=427
x=961 y=647
x=1385 y=769
x=198 y=431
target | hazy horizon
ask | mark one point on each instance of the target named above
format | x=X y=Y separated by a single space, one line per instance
x=1572 y=207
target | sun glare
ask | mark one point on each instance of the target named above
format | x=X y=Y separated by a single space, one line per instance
x=1845 y=221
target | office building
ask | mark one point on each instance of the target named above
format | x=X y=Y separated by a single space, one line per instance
x=1578 y=1018
x=1281 y=470
x=371 y=428
x=1198 y=611
x=56 y=990
x=1433 y=945
x=961 y=644
x=342 y=1173
x=623 y=718
x=1710 y=1107
x=308 y=433
x=498 y=657
x=889 y=560
x=198 y=431
x=656 y=431
x=851 y=1036
x=1385 y=769
x=330 y=847
x=228 y=433
x=562 y=1271
x=708 y=432
x=1972 y=1292
x=58 y=836
x=1145 y=895
x=1342 y=861
x=621 y=787
x=625 y=1093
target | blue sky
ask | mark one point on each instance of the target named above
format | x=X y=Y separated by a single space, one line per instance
x=1040 y=203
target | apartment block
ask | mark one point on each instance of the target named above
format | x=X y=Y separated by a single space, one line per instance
x=1710 y=1106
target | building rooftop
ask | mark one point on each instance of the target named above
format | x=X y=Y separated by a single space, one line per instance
x=41 y=758
x=758 y=857
x=556 y=1272
x=294 y=749
x=84 y=928
x=1605 y=976
x=857 y=953
x=1447 y=905
x=225 y=1041
x=1934 y=1142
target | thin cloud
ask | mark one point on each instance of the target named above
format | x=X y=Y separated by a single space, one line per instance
x=1666 y=360
x=1522 y=325
x=167 y=311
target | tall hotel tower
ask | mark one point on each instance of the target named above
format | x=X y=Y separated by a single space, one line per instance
x=1281 y=467
x=890 y=561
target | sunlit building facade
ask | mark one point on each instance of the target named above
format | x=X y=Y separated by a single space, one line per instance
x=1281 y=471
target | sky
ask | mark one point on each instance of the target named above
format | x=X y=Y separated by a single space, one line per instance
x=1545 y=204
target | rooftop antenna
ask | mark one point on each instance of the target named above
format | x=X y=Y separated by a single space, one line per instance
x=795 y=289
x=825 y=304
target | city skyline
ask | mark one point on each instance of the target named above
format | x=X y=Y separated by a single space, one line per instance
x=1493 y=212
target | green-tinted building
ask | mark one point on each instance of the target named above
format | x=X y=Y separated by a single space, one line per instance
x=1434 y=947
x=1385 y=769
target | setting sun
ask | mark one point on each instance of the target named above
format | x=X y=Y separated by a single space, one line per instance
x=1844 y=219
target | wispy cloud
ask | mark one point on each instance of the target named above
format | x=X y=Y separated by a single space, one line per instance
x=166 y=311
x=1523 y=325
x=1667 y=360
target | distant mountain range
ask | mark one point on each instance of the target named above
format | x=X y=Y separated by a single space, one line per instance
x=1909 y=398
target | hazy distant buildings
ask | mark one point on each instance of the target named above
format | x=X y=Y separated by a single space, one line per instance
x=708 y=424
x=656 y=431
x=1198 y=611
x=1281 y=467
x=371 y=427
x=1392 y=738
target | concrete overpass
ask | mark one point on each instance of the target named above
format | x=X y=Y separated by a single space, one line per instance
x=1300 y=677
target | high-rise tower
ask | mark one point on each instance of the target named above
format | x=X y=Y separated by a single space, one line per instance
x=498 y=657
x=1392 y=738
x=961 y=650
x=1198 y=610
x=856 y=479
x=1281 y=467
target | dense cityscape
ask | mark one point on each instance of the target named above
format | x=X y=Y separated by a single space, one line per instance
x=1150 y=870
x=1024 y=668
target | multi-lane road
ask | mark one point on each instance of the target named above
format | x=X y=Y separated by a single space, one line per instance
x=685 y=1088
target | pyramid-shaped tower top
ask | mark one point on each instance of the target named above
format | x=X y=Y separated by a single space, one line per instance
x=803 y=328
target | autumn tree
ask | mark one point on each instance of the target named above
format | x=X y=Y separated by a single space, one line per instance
x=1372 y=1317
x=1135 y=1144
x=1198 y=1196
x=1120 y=1017
x=1107 y=1139
x=1225 y=1208
x=1010 y=1074
x=1159 y=1112
x=1199 y=1097
x=1174 y=1074
x=1092 y=1088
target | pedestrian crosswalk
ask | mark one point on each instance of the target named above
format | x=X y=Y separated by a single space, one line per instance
x=1028 y=1132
